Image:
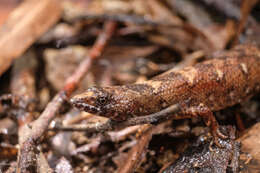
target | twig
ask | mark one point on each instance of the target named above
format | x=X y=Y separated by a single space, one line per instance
x=120 y=135
x=134 y=157
x=114 y=136
x=163 y=115
x=24 y=92
x=138 y=20
x=32 y=132
x=43 y=164
x=95 y=52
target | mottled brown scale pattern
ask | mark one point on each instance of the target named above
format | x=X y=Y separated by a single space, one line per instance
x=229 y=78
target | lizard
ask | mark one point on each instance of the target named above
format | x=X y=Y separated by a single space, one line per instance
x=228 y=78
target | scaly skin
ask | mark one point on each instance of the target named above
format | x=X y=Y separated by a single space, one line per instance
x=212 y=85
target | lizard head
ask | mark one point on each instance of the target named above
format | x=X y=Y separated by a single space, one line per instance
x=113 y=102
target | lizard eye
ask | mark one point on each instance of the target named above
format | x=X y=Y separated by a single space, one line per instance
x=102 y=100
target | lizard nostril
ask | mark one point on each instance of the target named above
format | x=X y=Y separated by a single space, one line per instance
x=73 y=101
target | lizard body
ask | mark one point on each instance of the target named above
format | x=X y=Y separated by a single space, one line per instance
x=212 y=85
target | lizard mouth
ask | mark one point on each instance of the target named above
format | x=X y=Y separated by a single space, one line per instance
x=84 y=106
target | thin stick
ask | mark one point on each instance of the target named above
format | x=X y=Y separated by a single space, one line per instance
x=157 y=117
x=135 y=19
x=134 y=157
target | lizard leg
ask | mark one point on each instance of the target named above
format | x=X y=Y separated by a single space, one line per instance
x=210 y=121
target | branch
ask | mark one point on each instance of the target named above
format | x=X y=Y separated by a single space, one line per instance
x=134 y=157
x=154 y=118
